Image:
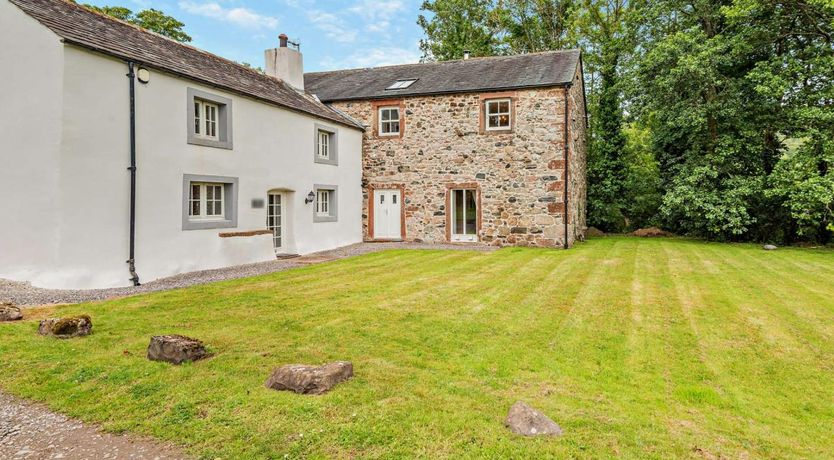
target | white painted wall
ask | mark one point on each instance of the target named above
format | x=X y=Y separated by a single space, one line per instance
x=31 y=74
x=81 y=213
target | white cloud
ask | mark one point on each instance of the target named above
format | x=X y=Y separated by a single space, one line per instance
x=344 y=25
x=333 y=26
x=242 y=17
x=373 y=57
x=377 y=14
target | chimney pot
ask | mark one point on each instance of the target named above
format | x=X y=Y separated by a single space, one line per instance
x=282 y=39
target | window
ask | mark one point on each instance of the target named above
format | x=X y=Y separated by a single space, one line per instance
x=498 y=115
x=401 y=84
x=209 y=119
x=205 y=201
x=326 y=204
x=324 y=145
x=209 y=202
x=326 y=142
x=205 y=119
x=323 y=203
x=389 y=121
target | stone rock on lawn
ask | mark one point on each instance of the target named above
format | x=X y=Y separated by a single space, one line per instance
x=8 y=312
x=66 y=328
x=175 y=349
x=593 y=232
x=526 y=421
x=651 y=232
x=305 y=379
x=769 y=247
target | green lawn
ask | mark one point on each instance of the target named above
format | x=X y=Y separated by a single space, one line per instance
x=637 y=348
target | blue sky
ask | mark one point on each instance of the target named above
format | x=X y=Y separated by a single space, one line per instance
x=333 y=34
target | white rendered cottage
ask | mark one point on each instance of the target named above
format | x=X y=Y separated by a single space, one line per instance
x=231 y=166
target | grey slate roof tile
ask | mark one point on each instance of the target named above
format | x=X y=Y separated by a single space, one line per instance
x=79 y=26
x=552 y=68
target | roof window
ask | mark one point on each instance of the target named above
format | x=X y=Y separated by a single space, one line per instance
x=402 y=84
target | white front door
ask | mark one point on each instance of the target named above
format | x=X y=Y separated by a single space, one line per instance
x=387 y=214
x=275 y=220
x=464 y=215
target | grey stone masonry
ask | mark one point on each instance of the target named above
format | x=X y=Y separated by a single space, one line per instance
x=518 y=174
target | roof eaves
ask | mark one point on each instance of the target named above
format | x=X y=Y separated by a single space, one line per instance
x=215 y=84
x=446 y=92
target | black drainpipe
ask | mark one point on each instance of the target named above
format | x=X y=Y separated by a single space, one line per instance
x=566 y=192
x=131 y=262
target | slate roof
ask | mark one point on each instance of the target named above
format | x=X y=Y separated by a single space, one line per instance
x=552 y=68
x=88 y=29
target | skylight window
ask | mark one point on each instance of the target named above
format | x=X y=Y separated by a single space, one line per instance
x=402 y=84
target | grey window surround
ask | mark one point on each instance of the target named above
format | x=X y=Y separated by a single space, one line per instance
x=333 y=205
x=334 y=145
x=229 y=202
x=224 y=119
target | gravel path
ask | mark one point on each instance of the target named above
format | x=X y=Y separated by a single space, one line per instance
x=30 y=431
x=24 y=294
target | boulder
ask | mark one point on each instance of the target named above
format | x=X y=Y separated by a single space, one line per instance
x=651 y=232
x=526 y=421
x=305 y=379
x=593 y=232
x=769 y=247
x=8 y=312
x=66 y=328
x=175 y=349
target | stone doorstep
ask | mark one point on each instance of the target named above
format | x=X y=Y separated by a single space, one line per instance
x=312 y=259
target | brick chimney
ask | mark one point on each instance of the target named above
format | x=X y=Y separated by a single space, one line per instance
x=286 y=63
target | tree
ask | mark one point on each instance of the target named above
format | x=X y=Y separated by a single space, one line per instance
x=726 y=84
x=606 y=31
x=537 y=25
x=457 y=26
x=150 y=19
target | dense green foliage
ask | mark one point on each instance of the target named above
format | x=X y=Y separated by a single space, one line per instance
x=732 y=100
x=151 y=19
x=638 y=348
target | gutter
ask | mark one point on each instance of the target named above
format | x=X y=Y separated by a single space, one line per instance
x=131 y=261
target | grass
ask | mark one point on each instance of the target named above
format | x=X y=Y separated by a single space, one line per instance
x=637 y=348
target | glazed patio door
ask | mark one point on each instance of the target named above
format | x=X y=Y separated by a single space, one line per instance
x=464 y=215
x=275 y=220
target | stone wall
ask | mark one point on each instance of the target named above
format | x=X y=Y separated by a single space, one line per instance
x=518 y=175
x=578 y=155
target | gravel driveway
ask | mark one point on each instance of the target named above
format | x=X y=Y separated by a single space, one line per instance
x=23 y=294
x=30 y=431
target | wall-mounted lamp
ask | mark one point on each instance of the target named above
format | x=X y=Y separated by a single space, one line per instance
x=310 y=198
x=143 y=75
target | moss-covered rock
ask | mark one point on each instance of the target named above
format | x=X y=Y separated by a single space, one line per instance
x=66 y=328
x=9 y=312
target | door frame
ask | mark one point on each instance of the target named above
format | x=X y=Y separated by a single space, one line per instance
x=479 y=214
x=371 y=204
x=287 y=240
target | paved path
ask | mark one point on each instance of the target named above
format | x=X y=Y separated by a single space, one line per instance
x=23 y=294
x=32 y=432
